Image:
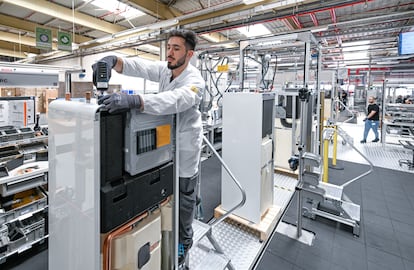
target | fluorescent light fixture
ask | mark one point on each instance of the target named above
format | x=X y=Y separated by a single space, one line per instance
x=357 y=66
x=116 y=35
x=149 y=48
x=249 y=2
x=254 y=30
x=355 y=56
x=163 y=24
x=319 y=29
x=388 y=62
x=104 y=39
x=130 y=31
x=117 y=8
x=355 y=48
x=356 y=43
x=337 y=65
x=280 y=3
x=30 y=55
x=118 y=42
x=286 y=64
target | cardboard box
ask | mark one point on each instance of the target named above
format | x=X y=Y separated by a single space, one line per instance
x=8 y=92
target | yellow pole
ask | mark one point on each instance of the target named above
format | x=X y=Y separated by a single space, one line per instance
x=325 y=160
x=335 y=142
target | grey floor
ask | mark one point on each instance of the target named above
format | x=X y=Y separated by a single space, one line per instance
x=387 y=231
x=387 y=214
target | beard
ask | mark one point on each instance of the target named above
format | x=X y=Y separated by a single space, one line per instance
x=179 y=63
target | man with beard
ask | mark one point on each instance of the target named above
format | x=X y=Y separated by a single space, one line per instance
x=180 y=91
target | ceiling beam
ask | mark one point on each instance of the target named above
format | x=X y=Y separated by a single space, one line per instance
x=314 y=19
x=157 y=9
x=18 y=47
x=233 y=9
x=18 y=39
x=16 y=50
x=67 y=14
x=12 y=53
x=27 y=26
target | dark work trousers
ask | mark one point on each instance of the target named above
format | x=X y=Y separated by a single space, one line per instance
x=187 y=207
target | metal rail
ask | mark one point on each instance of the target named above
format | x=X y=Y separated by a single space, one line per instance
x=346 y=108
x=243 y=192
x=331 y=131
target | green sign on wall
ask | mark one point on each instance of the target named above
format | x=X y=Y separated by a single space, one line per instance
x=64 y=41
x=43 y=38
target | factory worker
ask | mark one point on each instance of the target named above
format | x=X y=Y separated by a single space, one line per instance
x=180 y=91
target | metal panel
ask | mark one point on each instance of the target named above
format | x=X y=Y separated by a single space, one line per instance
x=240 y=244
x=140 y=122
x=242 y=140
x=12 y=79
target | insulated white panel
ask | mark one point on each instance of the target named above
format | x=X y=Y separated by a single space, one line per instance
x=266 y=151
x=74 y=239
x=243 y=153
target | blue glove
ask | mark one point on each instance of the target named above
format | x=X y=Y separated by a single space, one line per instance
x=116 y=102
x=110 y=60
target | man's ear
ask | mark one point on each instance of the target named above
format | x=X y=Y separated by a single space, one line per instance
x=190 y=53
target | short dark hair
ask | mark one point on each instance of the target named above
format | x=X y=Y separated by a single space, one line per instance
x=189 y=36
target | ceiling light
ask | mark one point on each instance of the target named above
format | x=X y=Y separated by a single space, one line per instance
x=130 y=31
x=30 y=55
x=355 y=56
x=117 y=8
x=280 y=3
x=336 y=65
x=163 y=24
x=388 y=62
x=355 y=48
x=104 y=39
x=249 y=2
x=319 y=29
x=149 y=47
x=355 y=43
x=254 y=30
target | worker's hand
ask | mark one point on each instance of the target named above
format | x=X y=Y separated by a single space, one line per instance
x=116 y=102
x=110 y=60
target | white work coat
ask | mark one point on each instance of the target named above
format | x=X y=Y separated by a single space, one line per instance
x=181 y=95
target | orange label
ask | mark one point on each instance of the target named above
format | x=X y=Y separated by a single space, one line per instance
x=163 y=135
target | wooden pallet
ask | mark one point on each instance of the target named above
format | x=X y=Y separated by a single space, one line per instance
x=266 y=225
x=284 y=171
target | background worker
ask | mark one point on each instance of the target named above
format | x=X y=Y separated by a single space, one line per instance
x=372 y=120
x=180 y=91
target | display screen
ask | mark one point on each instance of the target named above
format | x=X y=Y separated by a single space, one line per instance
x=406 y=43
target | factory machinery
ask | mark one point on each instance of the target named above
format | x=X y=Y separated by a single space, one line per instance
x=318 y=197
x=113 y=178
x=110 y=177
